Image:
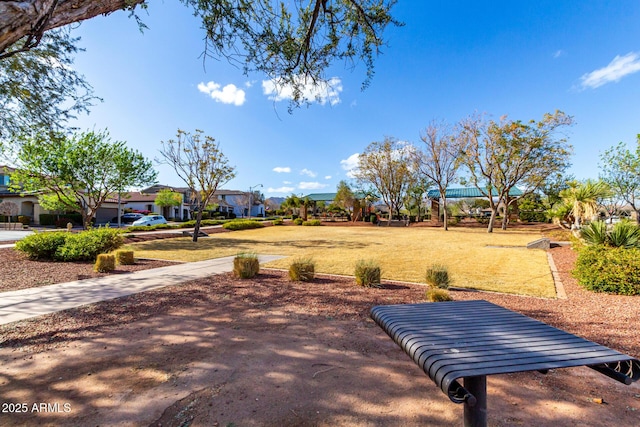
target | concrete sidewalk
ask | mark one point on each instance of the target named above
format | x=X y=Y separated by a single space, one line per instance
x=32 y=302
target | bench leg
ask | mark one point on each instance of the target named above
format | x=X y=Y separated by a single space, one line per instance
x=476 y=415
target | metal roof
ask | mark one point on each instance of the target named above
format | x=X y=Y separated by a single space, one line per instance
x=464 y=193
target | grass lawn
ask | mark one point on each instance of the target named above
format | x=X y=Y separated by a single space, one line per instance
x=495 y=262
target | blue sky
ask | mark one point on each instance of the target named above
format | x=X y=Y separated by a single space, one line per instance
x=450 y=60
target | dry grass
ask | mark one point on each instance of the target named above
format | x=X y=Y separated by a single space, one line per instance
x=475 y=259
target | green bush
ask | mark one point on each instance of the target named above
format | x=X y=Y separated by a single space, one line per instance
x=105 y=263
x=302 y=270
x=438 y=295
x=50 y=219
x=313 y=223
x=242 y=224
x=612 y=270
x=25 y=220
x=86 y=245
x=125 y=257
x=42 y=245
x=438 y=276
x=246 y=266
x=367 y=273
x=298 y=221
x=278 y=221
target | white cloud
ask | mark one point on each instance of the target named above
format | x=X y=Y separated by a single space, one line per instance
x=558 y=53
x=328 y=177
x=322 y=92
x=230 y=94
x=307 y=172
x=287 y=182
x=280 y=190
x=282 y=169
x=620 y=67
x=350 y=164
x=311 y=186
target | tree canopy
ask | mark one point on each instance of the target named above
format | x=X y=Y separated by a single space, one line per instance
x=386 y=166
x=621 y=171
x=293 y=43
x=40 y=89
x=84 y=169
x=501 y=155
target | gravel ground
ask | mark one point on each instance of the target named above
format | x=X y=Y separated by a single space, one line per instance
x=255 y=334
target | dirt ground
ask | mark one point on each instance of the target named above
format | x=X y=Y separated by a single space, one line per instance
x=269 y=352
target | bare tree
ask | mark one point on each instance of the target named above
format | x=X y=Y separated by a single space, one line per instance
x=198 y=161
x=386 y=166
x=441 y=158
x=501 y=155
x=8 y=209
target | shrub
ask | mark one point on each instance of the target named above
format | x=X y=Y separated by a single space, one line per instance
x=86 y=245
x=373 y=219
x=438 y=295
x=124 y=257
x=245 y=266
x=278 y=221
x=313 y=222
x=438 y=276
x=242 y=224
x=302 y=270
x=367 y=273
x=105 y=263
x=25 y=220
x=298 y=221
x=42 y=245
x=622 y=235
x=611 y=270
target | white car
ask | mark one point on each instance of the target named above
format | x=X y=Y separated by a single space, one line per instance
x=150 y=220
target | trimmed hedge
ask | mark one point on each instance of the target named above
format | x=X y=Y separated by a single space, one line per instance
x=242 y=225
x=313 y=222
x=63 y=246
x=611 y=270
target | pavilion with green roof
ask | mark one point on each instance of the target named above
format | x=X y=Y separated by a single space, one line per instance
x=461 y=193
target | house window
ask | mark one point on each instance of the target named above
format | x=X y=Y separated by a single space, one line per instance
x=150 y=208
x=4 y=180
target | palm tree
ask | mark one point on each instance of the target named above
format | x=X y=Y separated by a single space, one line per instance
x=291 y=203
x=584 y=198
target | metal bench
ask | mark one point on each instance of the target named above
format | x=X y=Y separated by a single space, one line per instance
x=473 y=339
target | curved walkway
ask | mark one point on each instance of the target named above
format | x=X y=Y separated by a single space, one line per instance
x=32 y=302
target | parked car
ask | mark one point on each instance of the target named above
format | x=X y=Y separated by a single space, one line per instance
x=127 y=218
x=150 y=220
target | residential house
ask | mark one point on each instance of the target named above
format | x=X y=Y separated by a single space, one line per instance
x=28 y=204
x=229 y=202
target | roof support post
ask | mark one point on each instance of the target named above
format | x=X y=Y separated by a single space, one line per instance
x=475 y=415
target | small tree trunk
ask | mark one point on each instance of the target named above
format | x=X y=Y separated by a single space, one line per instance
x=446 y=215
x=492 y=220
x=196 y=228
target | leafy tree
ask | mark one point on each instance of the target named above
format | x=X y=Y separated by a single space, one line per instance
x=199 y=162
x=501 y=155
x=294 y=43
x=83 y=169
x=51 y=202
x=621 y=171
x=344 y=197
x=40 y=89
x=167 y=198
x=386 y=166
x=440 y=160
